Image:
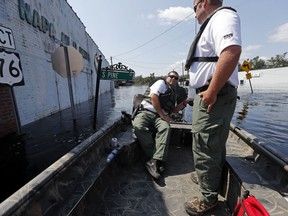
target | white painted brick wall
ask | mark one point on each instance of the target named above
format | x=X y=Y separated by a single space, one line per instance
x=45 y=92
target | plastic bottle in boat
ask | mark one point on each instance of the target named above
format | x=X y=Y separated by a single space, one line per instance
x=114 y=142
x=111 y=155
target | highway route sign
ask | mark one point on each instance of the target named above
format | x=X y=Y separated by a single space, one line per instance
x=10 y=69
x=6 y=38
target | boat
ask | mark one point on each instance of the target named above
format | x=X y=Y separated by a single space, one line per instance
x=85 y=182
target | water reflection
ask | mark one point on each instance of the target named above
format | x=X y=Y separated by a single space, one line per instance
x=46 y=140
x=13 y=163
x=267 y=118
x=243 y=113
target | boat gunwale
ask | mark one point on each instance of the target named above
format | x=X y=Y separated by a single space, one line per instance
x=31 y=190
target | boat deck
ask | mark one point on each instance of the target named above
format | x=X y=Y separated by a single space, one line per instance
x=134 y=192
x=83 y=183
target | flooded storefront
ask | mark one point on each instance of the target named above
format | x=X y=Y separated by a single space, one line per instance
x=30 y=88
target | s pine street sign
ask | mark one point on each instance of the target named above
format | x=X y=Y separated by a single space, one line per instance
x=116 y=75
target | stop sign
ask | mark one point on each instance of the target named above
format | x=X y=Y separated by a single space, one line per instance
x=59 y=61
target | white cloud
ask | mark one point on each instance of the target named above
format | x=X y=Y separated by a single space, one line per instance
x=252 y=47
x=177 y=14
x=280 y=34
x=150 y=16
x=177 y=66
x=247 y=52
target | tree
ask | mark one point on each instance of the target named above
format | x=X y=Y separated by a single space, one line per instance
x=278 y=61
x=258 y=63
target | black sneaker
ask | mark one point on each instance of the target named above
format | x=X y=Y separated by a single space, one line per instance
x=151 y=166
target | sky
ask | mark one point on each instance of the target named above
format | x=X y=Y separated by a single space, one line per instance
x=154 y=36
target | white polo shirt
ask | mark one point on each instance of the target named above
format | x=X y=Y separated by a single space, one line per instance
x=222 y=30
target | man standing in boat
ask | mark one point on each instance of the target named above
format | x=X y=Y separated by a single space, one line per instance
x=212 y=60
x=153 y=119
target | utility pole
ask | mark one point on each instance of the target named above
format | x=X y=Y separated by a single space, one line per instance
x=183 y=73
x=111 y=62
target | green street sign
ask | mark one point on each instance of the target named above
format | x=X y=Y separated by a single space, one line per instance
x=108 y=74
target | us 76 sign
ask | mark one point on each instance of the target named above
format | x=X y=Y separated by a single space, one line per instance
x=10 y=69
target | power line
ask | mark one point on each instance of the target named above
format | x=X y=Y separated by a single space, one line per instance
x=124 y=53
x=161 y=45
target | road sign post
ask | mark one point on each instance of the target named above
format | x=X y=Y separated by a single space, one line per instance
x=246 y=66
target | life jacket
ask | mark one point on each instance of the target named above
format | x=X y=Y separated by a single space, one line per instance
x=191 y=58
x=167 y=99
x=249 y=206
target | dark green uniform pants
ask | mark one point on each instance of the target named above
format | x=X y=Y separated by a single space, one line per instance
x=210 y=132
x=146 y=124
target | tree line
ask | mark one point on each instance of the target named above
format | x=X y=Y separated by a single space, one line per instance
x=274 y=62
x=257 y=63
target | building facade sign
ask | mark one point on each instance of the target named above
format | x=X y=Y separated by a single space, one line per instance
x=34 y=18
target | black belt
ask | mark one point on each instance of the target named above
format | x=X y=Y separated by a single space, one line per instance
x=141 y=108
x=223 y=91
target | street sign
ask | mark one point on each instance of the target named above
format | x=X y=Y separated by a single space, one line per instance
x=107 y=74
x=248 y=76
x=246 y=66
x=6 y=38
x=10 y=69
x=118 y=72
x=59 y=61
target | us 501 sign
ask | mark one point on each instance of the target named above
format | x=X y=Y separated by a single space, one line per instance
x=10 y=69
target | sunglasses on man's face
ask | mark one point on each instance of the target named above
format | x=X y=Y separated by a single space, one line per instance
x=196 y=5
x=174 y=77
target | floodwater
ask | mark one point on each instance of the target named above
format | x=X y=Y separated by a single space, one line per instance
x=263 y=113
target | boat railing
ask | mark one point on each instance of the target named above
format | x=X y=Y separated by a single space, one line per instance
x=257 y=145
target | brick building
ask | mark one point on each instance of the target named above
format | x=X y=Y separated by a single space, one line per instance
x=30 y=32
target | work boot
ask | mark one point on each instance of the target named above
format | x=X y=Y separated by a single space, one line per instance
x=151 y=166
x=198 y=207
x=161 y=166
x=194 y=177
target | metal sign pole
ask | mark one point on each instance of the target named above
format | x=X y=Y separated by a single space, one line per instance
x=246 y=66
x=251 y=86
x=69 y=83
x=98 y=63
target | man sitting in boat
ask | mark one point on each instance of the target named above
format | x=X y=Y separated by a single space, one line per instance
x=158 y=103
